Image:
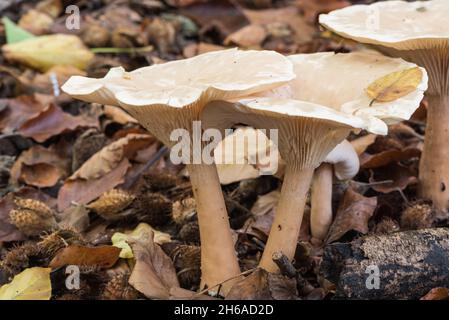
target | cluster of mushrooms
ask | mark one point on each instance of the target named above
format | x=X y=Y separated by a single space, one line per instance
x=314 y=101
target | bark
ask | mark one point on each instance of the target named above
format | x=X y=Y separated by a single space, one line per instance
x=434 y=168
x=409 y=265
x=218 y=257
x=284 y=231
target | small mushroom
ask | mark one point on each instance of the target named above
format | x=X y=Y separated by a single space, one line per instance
x=343 y=161
x=311 y=124
x=416 y=32
x=170 y=96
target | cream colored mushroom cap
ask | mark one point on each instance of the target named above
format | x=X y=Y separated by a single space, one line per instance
x=339 y=82
x=396 y=24
x=177 y=84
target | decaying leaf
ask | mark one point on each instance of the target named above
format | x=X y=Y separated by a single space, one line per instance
x=261 y=285
x=400 y=175
x=395 y=85
x=45 y=52
x=120 y=240
x=103 y=257
x=437 y=294
x=353 y=214
x=30 y=284
x=154 y=274
x=361 y=144
x=110 y=156
x=386 y=157
x=39 y=167
x=75 y=217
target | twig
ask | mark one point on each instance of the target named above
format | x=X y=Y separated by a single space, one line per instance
x=288 y=270
x=244 y=273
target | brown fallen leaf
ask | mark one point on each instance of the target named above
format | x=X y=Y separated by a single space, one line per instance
x=39 y=167
x=103 y=257
x=312 y=9
x=118 y=115
x=401 y=176
x=261 y=285
x=36 y=22
x=249 y=36
x=303 y=31
x=395 y=85
x=110 y=156
x=353 y=213
x=369 y=161
x=154 y=274
x=75 y=217
x=8 y=232
x=437 y=294
x=361 y=144
x=83 y=191
x=52 y=121
x=44 y=82
x=18 y=111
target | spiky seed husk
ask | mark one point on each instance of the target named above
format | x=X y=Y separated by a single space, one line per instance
x=184 y=210
x=111 y=203
x=418 y=215
x=39 y=207
x=31 y=222
x=386 y=226
x=18 y=258
x=190 y=232
x=118 y=288
x=156 y=181
x=153 y=208
x=186 y=260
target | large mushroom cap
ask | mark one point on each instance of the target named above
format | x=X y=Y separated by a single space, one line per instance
x=328 y=100
x=396 y=24
x=170 y=96
x=343 y=80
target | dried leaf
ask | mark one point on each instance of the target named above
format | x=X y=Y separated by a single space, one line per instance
x=386 y=157
x=30 y=284
x=402 y=177
x=39 y=167
x=110 y=156
x=395 y=85
x=249 y=36
x=52 y=121
x=154 y=274
x=45 y=52
x=120 y=240
x=18 y=111
x=353 y=213
x=75 y=217
x=83 y=191
x=118 y=115
x=314 y=8
x=104 y=256
x=36 y=22
x=437 y=294
x=361 y=144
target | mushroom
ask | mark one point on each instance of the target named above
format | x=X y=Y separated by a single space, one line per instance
x=311 y=124
x=342 y=161
x=167 y=98
x=416 y=32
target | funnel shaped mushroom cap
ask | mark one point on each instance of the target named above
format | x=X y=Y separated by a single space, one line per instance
x=343 y=80
x=160 y=95
x=396 y=24
x=320 y=113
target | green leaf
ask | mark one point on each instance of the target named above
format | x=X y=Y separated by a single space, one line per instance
x=14 y=33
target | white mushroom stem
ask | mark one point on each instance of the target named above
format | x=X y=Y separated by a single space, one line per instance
x=321 y=201
x=434 y=168
x=344 y=161
x=218 y=257
x=289 y=212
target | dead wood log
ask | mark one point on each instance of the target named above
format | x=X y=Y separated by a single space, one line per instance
x=402 y=265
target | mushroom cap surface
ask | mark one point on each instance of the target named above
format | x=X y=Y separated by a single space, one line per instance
x=327 y=100
x=396 y=24
x=170 y=96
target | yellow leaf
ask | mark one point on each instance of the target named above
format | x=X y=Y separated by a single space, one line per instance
x=395 y=85
x=30 y=284
x=45 y=52
x=120 y=240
